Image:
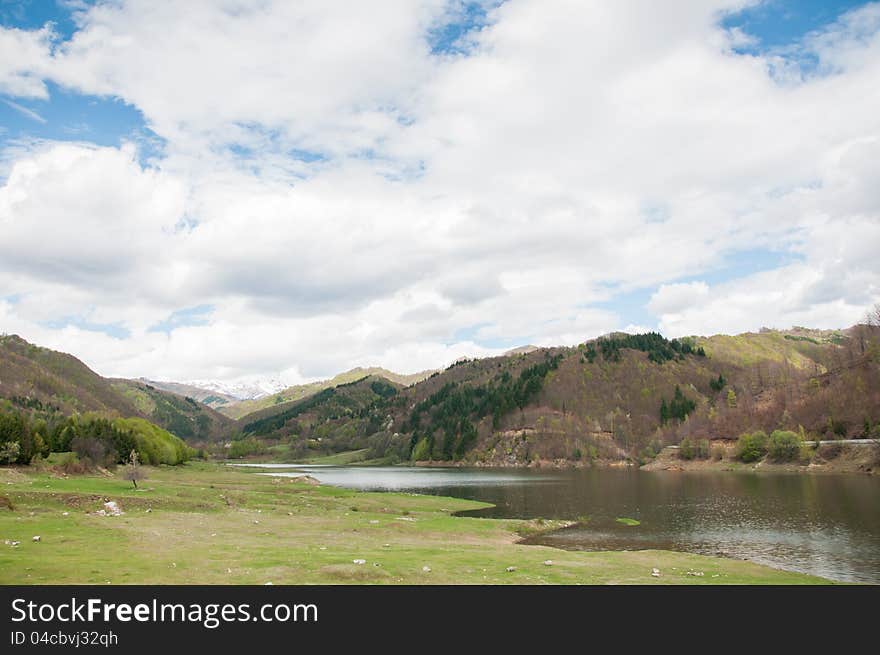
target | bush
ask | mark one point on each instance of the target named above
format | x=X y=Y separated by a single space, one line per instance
x=90 y=451
x=422 y=450
x=154 y=445
x=689 y=449
x=718 y=452
x=133 y=471
x=245 y=447
x=784 y=446
x=751 y=447
x=686 y=449
x=703 y=449
x=829 y=450
x=71 y=465
x=9 y=452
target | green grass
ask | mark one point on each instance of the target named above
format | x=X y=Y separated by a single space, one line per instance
x=338 y=459
x=212 y=524
x=629 y=522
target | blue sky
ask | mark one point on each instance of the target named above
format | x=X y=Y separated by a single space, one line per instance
x=780 y=23
x=356 y=169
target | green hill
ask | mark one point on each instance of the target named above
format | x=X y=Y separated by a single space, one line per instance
x=333 y=420
x=184 y=416
x=243 y=408
x=617 y=397
x=32 y=376
x=613 y=398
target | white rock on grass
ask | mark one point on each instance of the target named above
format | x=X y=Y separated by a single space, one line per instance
x=426 y=569
x=655 y=572
x=548 y=562
x=36 y=537
x=510 y=569
x=359 y=561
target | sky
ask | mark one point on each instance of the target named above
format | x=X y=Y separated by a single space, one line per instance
x=230 y=190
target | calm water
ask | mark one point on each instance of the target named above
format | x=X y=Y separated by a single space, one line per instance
x=827 y=525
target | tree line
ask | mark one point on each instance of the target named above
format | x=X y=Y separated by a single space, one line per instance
x=452 y=411
x=101 y=441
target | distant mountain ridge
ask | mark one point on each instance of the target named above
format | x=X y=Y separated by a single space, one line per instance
x=617 y=397
x=248 y=390
x=209 y=397
x=298 y=392
x=30 y=373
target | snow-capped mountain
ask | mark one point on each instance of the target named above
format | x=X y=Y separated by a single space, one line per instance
x=242 y=390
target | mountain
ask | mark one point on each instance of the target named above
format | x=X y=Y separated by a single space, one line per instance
x=298 y=392
x=522 y=350
x=247 y=390
x=617 y=397
x=210 y=397
x=31 y=375
x=183 y=416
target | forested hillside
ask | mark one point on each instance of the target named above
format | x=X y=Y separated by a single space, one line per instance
x=34 y=378
x=298 y=392
x=614 y=398
x=617 y=397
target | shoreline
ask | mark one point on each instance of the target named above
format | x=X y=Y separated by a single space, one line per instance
x=848 y=459
x=206 y=523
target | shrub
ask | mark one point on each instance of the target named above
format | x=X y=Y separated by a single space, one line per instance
x=9 y=452
x=718 y=452
x=829 y=450
x=154 y=445
x=690 y=449
x=71 y=465
x=422 y=450
x=784 y=446
x=90 y=451
x=686 y=449
x=703 y=449
x=751 y=447
x=245 y=447
x=133 y=471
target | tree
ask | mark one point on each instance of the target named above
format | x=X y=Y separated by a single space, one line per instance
x=133 y=471
x=90 y=450
x=9 y=452
x=731 y=398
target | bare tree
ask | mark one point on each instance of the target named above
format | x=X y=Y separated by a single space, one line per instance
x=872 y=320
x=133 y=470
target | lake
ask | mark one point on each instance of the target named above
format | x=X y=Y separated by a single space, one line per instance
x=826 y=525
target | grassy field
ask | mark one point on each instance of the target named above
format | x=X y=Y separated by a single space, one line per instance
x=211 y=524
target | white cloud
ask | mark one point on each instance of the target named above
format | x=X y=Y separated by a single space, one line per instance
x=672 y=298
x=24 y=59
x=579 y=150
